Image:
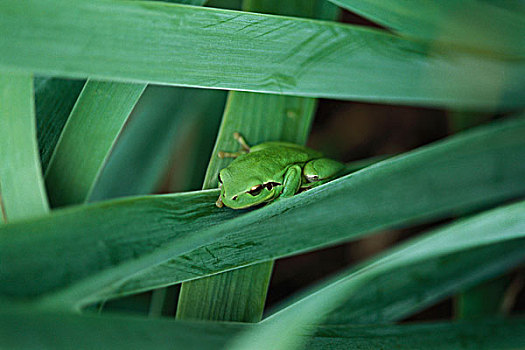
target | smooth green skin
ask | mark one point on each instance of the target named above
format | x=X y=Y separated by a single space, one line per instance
x=277 y=169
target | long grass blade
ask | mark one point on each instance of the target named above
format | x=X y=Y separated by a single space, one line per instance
x=156 y=128
x=483 y=300
x=130 y=236
x=485 y=334
x=163 y=43
x=506 y=224
x=22 y=193
x=54 y=100
x=320 y=9
x=75 y=243
x=24 y=328
x=415 y=287
x=464 y=22
x=87 y=139
x=237 y=295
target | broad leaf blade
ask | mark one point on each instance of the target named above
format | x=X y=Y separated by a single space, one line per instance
x=320 y=9
x=87 y=138
x=483 y=300
x=488 y=26
x=143 y=150
x=25 y=328
x=506 y=224
x=190 y=46
x=54 y=100
x=180 y=223
x=72 y=244
x=22 y=193
x=415 y=287
x=487 y=334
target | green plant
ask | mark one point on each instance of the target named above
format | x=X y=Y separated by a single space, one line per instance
x=56 y=265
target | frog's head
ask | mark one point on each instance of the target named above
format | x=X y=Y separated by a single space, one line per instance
x=239 y=191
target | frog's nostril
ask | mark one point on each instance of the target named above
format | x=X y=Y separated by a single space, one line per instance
x=234 y=198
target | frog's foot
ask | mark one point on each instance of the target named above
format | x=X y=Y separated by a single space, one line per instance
x=219 y=202
x=245 y=148
x=238 y=137
x=223 y=154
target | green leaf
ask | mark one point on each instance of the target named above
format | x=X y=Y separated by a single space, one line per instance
x=82 y=241
x=27 y=328
x=237 y=295
x=54 y=100
x=483 y=300
x=415 y=287
x=191 y=46
x=22 y=193
x=87 y=138
x=505 y=224
x=462 y=23
x=460 y=120
x=487 y=334
x=320 y=9
x=225 y=4
x=23 y=328
x=142 y=153
x=188 y=2
x=109 y=241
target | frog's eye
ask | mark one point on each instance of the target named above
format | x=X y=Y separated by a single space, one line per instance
x=270 y=185
x=220 y=180
x=255 y=190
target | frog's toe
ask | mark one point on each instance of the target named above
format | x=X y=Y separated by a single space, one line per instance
x=239 y=138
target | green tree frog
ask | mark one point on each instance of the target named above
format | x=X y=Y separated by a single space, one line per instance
x=271 y=170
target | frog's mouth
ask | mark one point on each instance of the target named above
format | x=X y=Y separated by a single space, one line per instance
x=259 y=201
x=262 y=194
x=263 y=199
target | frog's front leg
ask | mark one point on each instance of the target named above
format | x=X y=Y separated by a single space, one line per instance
x=319 y=171
x=292 y=181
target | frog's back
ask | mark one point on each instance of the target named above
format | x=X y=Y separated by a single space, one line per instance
x=265 y=162
x=292 y=150
x=269 y=159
